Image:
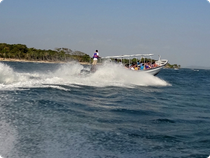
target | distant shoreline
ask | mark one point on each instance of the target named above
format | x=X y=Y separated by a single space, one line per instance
x=38 y=61
x=53 y=62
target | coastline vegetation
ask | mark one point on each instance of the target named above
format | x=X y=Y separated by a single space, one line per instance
x=22 y=52
x=172 y=66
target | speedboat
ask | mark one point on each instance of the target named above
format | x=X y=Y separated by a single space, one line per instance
x=159 y=64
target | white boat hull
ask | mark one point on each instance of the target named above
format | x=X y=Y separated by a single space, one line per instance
x=153 y=71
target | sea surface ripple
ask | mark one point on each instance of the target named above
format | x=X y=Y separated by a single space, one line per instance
x=52 y=110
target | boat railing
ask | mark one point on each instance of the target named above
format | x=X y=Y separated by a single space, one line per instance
x=129 y=57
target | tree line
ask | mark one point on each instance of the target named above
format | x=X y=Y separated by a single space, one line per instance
x=22 y=52
x=173 y=65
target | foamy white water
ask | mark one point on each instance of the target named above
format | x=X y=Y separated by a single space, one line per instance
x=107 y=74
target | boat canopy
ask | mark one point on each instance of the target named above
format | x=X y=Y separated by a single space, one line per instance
x=129 y=56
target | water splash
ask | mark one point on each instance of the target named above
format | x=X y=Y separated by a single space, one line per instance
x=118 y=75
x=7 y=74
x=69 y=74
x=107 y=74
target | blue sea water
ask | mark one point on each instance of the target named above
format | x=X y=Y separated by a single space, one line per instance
x=53 y=111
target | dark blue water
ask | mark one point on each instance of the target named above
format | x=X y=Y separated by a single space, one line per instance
x=51 y=111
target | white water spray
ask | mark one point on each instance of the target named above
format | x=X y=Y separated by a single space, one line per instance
x=7 y=75
x=107 y=74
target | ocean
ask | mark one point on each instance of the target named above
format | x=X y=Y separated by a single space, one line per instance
x=54 y=111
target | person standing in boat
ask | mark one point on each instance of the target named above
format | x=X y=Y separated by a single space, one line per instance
x=95 y=57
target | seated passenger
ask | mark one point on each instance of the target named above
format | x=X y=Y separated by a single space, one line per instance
x=136 y=68
x=132 y=67
x=142 y=66
x=147 y=66
x=150 y=65
x=127 y=66
x=155 y=65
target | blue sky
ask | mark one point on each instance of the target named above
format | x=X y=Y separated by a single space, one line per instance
x=178 y=30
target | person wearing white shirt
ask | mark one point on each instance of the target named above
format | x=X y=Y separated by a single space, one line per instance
x=95 y=57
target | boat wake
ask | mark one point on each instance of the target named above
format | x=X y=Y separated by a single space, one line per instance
x=69 y=74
